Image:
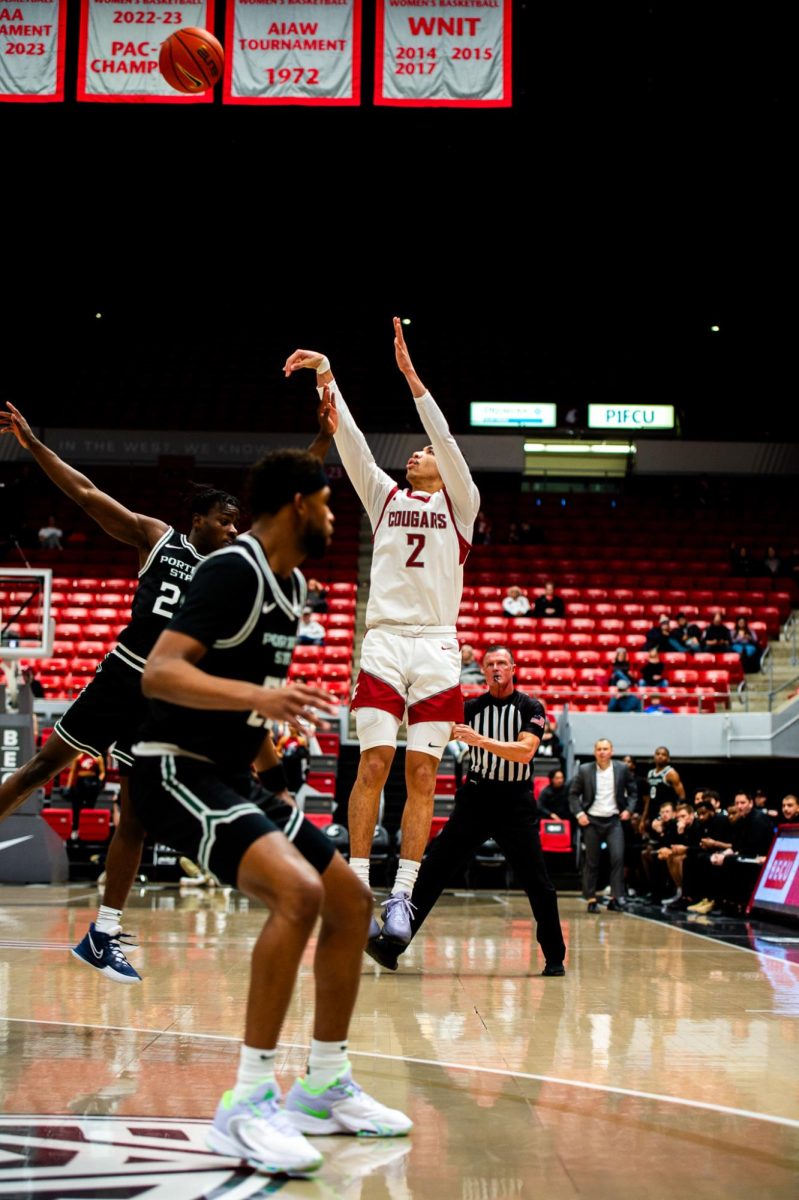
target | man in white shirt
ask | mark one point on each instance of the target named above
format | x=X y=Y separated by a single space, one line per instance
x=310 y=632
x=410 y=661
x=602 y=795
x=516 y=603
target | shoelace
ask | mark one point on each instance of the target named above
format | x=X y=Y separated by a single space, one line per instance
x=270 y=1109
x=395 y=901
x=115 y=948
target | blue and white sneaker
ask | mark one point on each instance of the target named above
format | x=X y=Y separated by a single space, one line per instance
x=257 y=1130
x=344 y=1107
x=103 y=951
x=397 y=916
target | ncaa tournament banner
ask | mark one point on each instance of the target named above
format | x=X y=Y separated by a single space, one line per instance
x=295 y=52
x=119 y=45
x=32 y=51
x=443 y=53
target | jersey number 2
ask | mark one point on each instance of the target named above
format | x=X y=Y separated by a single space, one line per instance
x=165 y=605
x=417 y=541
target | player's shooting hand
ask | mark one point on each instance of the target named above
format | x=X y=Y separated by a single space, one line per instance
x=400 y=349
x=295 y=702
x=302 y=358
x=14 y=422
x=327 y=414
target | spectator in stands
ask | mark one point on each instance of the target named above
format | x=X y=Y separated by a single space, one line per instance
x=624 y=700
x=621 y=668
x=744 y=642
x=740 y=562
x=516 y=604
x=50 y=535
x=514 y=534
x=654 y=634
x=653 y=673
x=772 y=563
x=762 y=805
x=656 y=705
x=716 y=637
x=602 y=795
x=550 y=745
x=688 y=634
x=471 y=671
x=84 y=783
x=553 y=800
x=548 y=604
x=35 y=685
x=790 y=809
x=310 y=632
x=294 y=754
x=316 y=599
x=481 y=535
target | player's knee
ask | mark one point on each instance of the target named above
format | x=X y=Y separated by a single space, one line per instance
x=421 y=775
x=373 y=769
x=300 y=898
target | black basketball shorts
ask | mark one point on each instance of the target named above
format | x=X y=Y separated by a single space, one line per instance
x=214 y=817
x=107 y=713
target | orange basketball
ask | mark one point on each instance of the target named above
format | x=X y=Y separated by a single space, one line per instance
x=191 y=60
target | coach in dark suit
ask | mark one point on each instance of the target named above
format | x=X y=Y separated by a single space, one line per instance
x=602 y=795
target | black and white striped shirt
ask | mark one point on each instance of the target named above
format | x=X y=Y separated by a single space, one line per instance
x=503 y=721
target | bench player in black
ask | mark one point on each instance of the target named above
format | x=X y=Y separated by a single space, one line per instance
x=214 y=678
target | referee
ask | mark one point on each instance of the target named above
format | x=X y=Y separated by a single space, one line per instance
x=503 y=729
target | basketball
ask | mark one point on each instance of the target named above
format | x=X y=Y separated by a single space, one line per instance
x=191 y=60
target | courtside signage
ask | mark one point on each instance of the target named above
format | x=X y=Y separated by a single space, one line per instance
x=519 y=415
x=633 y=416
x=777 y=888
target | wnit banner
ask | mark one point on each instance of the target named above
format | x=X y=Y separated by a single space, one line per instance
x=443 y=53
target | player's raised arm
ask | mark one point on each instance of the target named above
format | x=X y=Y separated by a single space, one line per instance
x=327 y=417
x=371 y=483
x=118 y=521
x=452 y=466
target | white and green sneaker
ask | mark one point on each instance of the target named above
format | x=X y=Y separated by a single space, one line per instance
x=343 y=1107
x=257 y=1130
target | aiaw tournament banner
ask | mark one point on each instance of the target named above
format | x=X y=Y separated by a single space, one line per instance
x=443 y=53
x=295 y=52
x=32 y=51
x=120 y=41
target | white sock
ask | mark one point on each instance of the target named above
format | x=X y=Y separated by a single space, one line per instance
x=327 y=1062
x=406 y=876
x=255 y=1067
x=108 y=920
x=361 y=868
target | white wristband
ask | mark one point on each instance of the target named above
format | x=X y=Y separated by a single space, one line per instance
x=323 y=366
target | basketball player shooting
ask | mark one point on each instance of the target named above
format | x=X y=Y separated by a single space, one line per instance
x=410 y=660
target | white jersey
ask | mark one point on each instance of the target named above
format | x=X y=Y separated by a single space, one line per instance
x=421 y=539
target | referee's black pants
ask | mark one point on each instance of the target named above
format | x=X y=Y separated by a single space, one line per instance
x=505 y=812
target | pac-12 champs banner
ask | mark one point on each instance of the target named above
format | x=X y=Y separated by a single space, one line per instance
x=32 y=50
x=443 y=53
x=119 y=45
x=293 y=52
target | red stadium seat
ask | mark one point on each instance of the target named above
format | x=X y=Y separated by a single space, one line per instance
x=322 y=781
x=560 y=675
x=555 y=836
x=59 y=820
x=319 y=819
x=94 y=825
x=528 y=658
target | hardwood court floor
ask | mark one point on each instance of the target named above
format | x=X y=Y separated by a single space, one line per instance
x=663 y=1064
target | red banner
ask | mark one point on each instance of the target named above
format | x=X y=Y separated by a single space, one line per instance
x=297 y=52
x=119 y=45
x=443 y=53
x=32 y=51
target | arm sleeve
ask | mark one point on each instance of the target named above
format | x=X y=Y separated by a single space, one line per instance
x=220 y=599
x=576 y=792
x=452 y=465
x=533 y=716
x=371 y=483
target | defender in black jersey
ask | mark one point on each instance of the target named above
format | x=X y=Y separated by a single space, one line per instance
x=109 y=710
x=214 y=679
x=503 y=728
